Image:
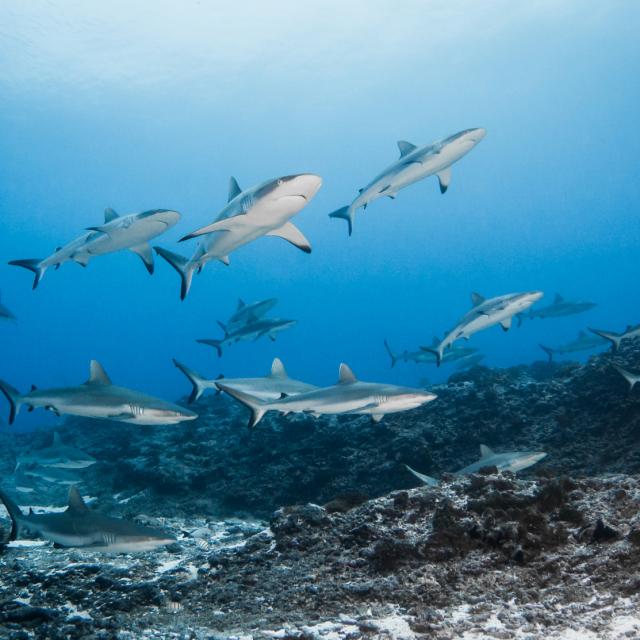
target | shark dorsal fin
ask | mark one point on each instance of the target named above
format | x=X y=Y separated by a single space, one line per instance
x=476 y=299
x=109 y=215
x=485 y=451
x=241 y=304
x=345 y=375
x=234 y=188
x=277 y=369
x=76 y=503
x=97 y=374
x=558 y=299
x=405 y=148
x=57 y=440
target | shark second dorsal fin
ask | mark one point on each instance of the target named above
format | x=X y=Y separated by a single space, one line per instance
x=109 y=215
x=345 y=375
x=277 y=369
x=405 y=148
x=558 y=299
x=234 y=188
x=97 y=374
x=76 y=503
x=57 y=440
x=485 y=451
x=476 y=299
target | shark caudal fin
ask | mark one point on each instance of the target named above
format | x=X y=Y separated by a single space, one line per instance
x=613 y=338
x=198 y=383
x=255 y=405
x=182 y=265
x=437 y=352
x=548 y=351
x=631 y=378
x=216 y=344
x=15 y=513
x=13 y=398
x=34 y=265
x=346 y=213
x=393 y=356
x=428 y=480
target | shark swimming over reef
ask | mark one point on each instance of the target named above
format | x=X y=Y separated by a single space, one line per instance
x=513 y=461
x=485 y=313
x=58 y=455
x=584 y=342
x=426 y=356
x=348 y=396
x=262 y=210
x=78 y=526
x=557 y=309
x=98 y=398
x=415 y=163
x=131 y=232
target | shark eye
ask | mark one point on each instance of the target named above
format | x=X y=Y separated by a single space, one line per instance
x=280 y=182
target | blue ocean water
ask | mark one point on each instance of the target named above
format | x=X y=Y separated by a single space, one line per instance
x=154 y=105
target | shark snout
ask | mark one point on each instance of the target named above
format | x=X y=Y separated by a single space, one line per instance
x=304 y=185
x=475 y=135
x=165 y=216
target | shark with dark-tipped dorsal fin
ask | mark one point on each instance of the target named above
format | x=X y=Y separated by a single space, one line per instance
x=78 y=526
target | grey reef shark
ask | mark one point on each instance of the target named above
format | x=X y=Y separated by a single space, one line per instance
x=426 y=356
x=262 y=210
x=485 y=313
x=558 y=309
x=131 y=232
x=631 y=332
x=583 y=342
x=512 y=461
x=249 y=313
x=78 y=526
x=269 y=387
x=97 y=398
x=415 y=163
x=349 y=396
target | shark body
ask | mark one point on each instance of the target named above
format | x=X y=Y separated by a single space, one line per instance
x=558 y=308
x=78 y=526
x=58 y=455
x=131 y=232
x=98 y=398
x=426 y=356
x=263 y=210
x=584 y=342
x=249 y=313
x=415 y=163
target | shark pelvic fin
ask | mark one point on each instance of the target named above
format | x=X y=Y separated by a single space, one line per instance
x=234 y=189
x=277 y=369
x=345 y=375
x=444 y=178
x=485 y=452
x=289 y=232
x=405 y=148
x=144 y=251
x=109 y=215
x=76 y=503
x=97 y=374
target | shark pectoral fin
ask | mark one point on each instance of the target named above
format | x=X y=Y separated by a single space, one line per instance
x=125 y=415
x=109 y=215
x=228 y=224
x=485 y=451
x=146 y=255
x=444 y=178
x=292 y=234
x=506 y=324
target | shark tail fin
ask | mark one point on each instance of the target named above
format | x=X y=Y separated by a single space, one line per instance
x=613 y=338
x=628 y=376
x=13 y=398
x=548 y=351
x=428 y=480
x=346 y=213
x=32 y=264
x=392 y=355
x=197 y=381
x=216 y=344
x=15 y=513
x=182 y=265
x=255 y=405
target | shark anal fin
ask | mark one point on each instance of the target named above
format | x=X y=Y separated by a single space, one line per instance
x=292 y=234
x=146 y=255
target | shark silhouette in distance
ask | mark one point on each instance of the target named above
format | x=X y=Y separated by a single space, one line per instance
x=58 y=455
x=583 y=342
x=485 y=313
x=80 y=527
x=98 y=398
x=349 y=396
x=249 y=313
x=263 y=210
x=558 y=309
x=5 y=314
x=632 y=331
x=269 y=387
x=131 y=232
x=415 y=163
x=55 y=475
x=512 y=461
x=426 y=356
